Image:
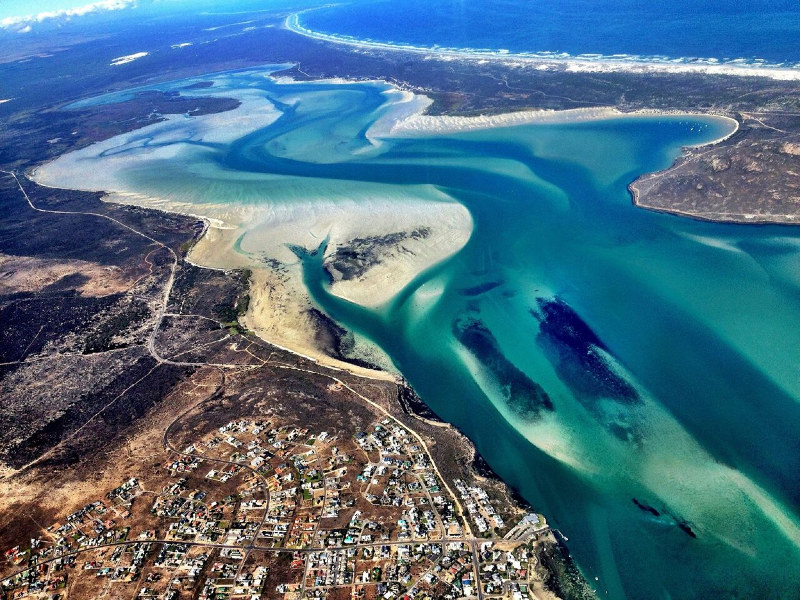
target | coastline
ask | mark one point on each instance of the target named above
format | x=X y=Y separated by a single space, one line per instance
x=558 y=61
x=284 y=318
x=294 y=344
x=152 y=434
x=281 y=312
x=734 y=219
x=296 y=348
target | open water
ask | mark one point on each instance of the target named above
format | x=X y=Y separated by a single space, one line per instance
x=745 y=31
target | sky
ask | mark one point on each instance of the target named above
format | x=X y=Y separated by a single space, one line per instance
x=16 y=8
x=22 y=16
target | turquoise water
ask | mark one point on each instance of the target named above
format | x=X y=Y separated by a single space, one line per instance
x=596 y=353
x=706 y=334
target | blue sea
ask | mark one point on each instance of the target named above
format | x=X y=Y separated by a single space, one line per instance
x=745 y=31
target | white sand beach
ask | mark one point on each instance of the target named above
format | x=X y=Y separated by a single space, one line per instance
x=560 y=61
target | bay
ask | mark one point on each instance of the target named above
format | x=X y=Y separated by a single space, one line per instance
x=632 y=374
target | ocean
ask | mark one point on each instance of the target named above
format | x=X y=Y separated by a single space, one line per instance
x=633 y=375
x=718 y=31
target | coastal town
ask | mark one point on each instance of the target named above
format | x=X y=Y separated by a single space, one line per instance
x=263 y=509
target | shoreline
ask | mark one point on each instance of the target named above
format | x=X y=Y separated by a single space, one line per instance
x=351 y=369
x=315 y=356
x=445 y=103
x=738 y=219
x=560 y=61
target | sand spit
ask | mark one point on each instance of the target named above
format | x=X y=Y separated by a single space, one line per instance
x=422 y=124
x=419 y=124
x=251 y=237
x=564 y=62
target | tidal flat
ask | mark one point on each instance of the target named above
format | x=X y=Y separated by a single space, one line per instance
x=602 y=353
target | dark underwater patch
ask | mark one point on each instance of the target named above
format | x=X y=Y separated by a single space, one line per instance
x=685 y=528
x=524 y=396
x=200 y=85
x=647 y=508
x=573 y=348
x=621 y=431
x=664 y=516
x=482 y=288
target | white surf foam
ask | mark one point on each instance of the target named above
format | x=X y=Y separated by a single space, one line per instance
x=562 y=61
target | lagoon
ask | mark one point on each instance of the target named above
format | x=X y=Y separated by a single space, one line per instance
x=595 y=352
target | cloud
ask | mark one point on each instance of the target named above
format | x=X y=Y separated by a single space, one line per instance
x=24 y=24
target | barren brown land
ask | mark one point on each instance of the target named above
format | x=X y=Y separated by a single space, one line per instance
x=753 y=177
